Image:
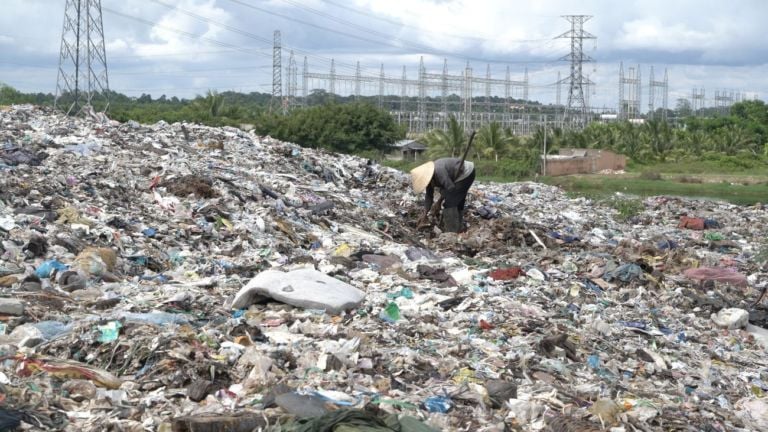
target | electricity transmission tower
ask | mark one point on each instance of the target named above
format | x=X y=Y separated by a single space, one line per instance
x=289 y=98
x=277 y=79
x=577 y=81
x=664 y=87
x=723 y=101
x=629 y=92
x=82 y=75
x=698 y=101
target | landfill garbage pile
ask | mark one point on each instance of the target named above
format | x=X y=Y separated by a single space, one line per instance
x=187 y=278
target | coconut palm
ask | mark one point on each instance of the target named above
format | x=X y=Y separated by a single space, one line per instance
x=631 y=143
x=556 y=140
x=694 y=142
x=442 y=143
x=492 y=141
x=659 y=137
x=593 y=136
x=732 y=139
x=209 y=106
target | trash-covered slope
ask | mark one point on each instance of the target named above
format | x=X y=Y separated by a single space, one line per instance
x=174 y=277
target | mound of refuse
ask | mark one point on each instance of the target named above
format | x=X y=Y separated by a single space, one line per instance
x=178 y=277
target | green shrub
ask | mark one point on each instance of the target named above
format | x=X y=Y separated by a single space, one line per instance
x=504 y=169
x=348 y=128
x=735 y=163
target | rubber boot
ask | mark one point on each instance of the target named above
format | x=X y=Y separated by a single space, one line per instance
x=452 y=219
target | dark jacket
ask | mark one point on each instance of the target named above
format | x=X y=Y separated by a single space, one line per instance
x=446 y=170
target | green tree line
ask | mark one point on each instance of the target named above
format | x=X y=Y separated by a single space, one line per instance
x=354 y=127
x=738 y=140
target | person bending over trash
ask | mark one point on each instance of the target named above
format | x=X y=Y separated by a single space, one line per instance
x=453 y=177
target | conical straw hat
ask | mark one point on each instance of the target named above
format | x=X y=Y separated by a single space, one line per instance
x=422 y=175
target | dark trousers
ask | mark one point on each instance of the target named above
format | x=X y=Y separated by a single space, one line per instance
x=458 y=196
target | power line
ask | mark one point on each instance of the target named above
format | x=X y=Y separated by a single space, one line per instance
x=353 y=36
x=251 y=35
x=193 y=88
x=185 y=33
x=151 y=71
x=184 y=53
x=186 y=71
x=241 y=32
x=368 y=30
x=399 y=23
x=391 y=21
x=29 y=65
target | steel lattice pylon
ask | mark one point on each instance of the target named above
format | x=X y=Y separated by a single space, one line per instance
x=82 y=77
x=277 y=79
x=577 y=81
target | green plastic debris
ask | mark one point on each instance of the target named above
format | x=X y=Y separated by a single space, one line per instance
x=714 y=236
x=109 y=331
x=391 y=313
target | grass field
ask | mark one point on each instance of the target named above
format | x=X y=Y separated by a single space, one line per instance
x=728 y=166
x=746 y=190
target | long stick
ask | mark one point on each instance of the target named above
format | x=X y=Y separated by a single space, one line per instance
x=466 y=152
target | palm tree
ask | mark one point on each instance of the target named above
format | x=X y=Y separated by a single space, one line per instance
x=659 y=137
x=442 y=143
x=631 y=144
x=555 y=140
x=731 y=139
x=209 y=106
x=492 y=141
x=695 y=141
x=609 y=137
x=593 y=136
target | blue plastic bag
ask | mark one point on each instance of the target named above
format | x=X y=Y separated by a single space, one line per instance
x=45 y=269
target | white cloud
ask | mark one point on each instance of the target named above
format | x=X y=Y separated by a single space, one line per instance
x=652 y=33
x=166 y=36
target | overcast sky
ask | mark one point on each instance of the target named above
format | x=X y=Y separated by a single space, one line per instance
x=184 y=47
